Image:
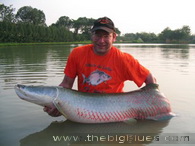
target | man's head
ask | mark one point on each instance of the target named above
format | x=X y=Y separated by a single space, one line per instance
x=103 y=35
x=105 y=24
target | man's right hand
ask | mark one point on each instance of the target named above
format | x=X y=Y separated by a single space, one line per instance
x=52 y=111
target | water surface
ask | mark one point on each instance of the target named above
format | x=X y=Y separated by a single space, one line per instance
x=23 y=123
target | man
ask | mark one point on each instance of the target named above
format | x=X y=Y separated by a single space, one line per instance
x=100 y=67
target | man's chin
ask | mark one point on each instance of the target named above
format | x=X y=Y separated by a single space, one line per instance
x=101 y=52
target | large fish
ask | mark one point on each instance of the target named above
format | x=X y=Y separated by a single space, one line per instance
x=145 y=103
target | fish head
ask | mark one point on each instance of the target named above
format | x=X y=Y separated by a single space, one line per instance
x=36 y=94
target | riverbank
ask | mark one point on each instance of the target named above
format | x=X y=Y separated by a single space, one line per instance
x=59 y=43
x=81 y=42
x=44 y=43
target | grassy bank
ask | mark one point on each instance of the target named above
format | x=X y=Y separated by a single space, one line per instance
x=65 y=43
x=44 y=43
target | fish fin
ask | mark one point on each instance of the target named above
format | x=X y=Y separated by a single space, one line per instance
x=162 y=117
x=131 y=121
x=58 y=106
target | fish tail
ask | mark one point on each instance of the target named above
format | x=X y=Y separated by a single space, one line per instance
x=162 y=117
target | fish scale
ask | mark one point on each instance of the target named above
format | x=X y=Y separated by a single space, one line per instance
x=145 y=103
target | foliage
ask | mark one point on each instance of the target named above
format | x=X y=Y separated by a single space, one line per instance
x=142 y=37
x=6 y=13
x=65 y=22
x=11 y=32
x=28 y=26
x=31 y=15
x=182 y=35
x=82 y=26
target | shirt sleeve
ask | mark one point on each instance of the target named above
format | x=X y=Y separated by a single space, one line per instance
x=133 y=70
x=71 y=66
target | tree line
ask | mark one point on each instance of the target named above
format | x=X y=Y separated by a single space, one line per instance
x=28 y=25
x=182 y=35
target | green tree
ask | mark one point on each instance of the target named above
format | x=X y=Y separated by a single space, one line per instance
x=166 y=35
x=118 y=31
x=175 y=36
x=147 y=37
x=186 y=32
x=82 y=26
x=20 y=35
x=65 y=22
x=128 y=37
x=31 y=15
x=6 y=13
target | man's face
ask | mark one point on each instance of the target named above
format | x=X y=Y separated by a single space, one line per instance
x=102 y=41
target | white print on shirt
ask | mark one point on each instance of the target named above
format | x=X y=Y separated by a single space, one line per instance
x=96 y=78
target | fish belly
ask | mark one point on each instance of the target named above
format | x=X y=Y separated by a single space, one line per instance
x=137 y=105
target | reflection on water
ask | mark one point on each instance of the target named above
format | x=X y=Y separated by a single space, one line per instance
x=38 y=64
x=90 y=133
x=173 y=66
x=179 y=53
x=32 y=64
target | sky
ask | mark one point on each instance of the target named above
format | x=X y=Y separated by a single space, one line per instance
x=129 y=16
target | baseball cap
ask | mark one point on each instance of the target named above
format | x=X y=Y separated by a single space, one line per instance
x=103 y=23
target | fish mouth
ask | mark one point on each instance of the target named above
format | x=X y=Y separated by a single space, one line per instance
x=19 y=89
x=19 y=86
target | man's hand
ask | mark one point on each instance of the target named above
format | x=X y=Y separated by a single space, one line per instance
x=52 y=111
x=150 y=79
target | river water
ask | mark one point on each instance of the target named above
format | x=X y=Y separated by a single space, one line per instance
x=23 y=123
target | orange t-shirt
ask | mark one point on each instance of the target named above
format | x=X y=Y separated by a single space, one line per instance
x=103 y=74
